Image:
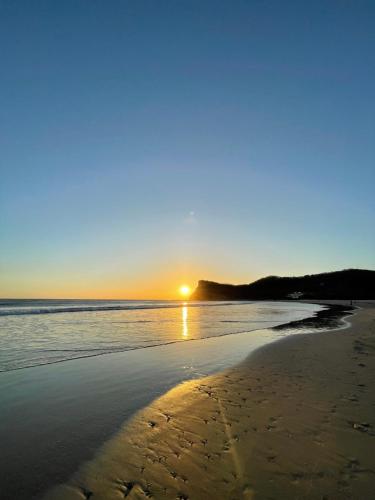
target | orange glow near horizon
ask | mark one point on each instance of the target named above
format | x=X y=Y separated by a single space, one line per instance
x=158 y=280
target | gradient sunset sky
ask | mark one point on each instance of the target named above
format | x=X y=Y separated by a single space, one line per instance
x=146 y=144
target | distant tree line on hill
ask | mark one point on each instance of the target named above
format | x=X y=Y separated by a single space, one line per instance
x=346 y=285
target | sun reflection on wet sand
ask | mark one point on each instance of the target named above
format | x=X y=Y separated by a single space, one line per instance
x=185 y=329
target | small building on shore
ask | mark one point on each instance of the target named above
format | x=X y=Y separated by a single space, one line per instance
x=295 y=295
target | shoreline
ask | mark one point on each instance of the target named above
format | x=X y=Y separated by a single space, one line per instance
x=309 y=322
x=74 y=408
x=228 y=432
x=328 y=318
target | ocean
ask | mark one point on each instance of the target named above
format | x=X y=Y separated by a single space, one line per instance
x=73 y=372
x=38 y=332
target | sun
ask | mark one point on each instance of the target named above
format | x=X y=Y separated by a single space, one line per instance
x=185 y=290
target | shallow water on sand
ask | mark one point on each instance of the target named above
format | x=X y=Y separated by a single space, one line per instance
x=38 y=332
x=55 y=416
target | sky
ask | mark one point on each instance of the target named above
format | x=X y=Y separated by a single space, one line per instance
x=146 y=144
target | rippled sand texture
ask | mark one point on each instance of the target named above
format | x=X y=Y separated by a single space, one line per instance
x=296 y=420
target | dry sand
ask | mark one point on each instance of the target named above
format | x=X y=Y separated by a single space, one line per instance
x=296 y=420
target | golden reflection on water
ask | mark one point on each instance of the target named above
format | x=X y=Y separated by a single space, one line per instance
x=185 y=329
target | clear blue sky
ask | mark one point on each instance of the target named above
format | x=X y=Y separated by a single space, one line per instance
x=148 y=143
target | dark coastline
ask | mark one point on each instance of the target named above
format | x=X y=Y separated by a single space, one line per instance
x=348 y=284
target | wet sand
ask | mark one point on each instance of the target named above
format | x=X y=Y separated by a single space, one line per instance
x=295 y=420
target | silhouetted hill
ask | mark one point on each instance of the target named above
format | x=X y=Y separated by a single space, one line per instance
x=347 y=284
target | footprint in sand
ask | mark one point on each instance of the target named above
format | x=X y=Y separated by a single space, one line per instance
x=361 y=426
x=270 y=427
x=353 y=398
x=86 y=493
x=274 y=419
x=126 y=487
x=226 y=446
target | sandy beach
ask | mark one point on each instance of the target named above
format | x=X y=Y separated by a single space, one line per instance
x=75 y=407
x=295 y=420
x=187 y=265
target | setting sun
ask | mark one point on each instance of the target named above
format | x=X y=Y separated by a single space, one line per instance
x=185 y=290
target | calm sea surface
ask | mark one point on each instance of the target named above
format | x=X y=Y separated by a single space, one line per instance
x=38 y=332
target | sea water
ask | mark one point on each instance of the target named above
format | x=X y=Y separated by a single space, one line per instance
x=37 y=332
x=73 y=372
